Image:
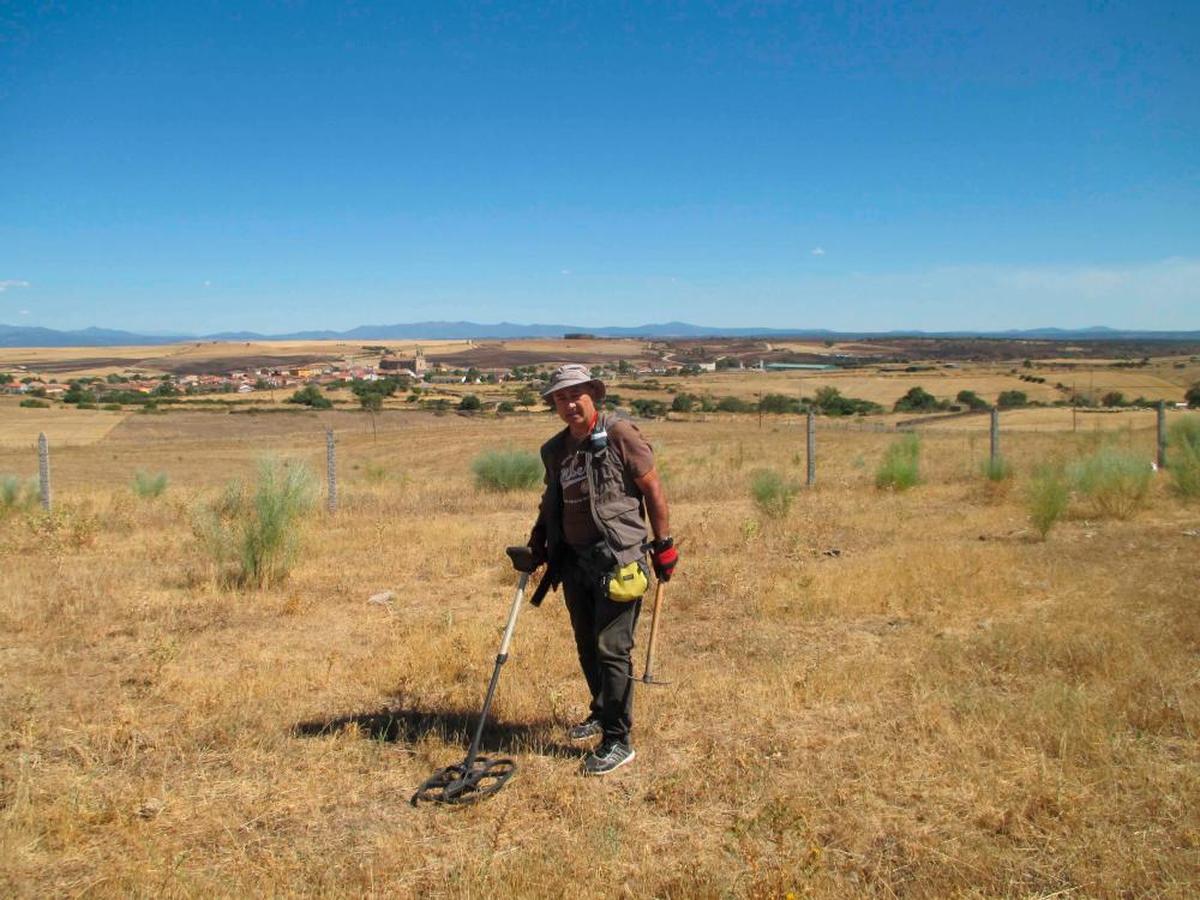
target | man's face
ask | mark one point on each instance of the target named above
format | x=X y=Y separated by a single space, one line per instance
x=575 y=406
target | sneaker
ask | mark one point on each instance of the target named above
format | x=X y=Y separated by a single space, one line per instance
x=610 y=755
x=588 y=728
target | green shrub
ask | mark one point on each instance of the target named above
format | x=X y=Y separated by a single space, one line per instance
x=507 y=470
x=1012 y=399
x=735 y=405
x=254 y=537
x=1183 y=457
x=996 y=470
x=1116 y=482
x=971 y=400
x=149 y=486
x=506 y=406
x=1047 y=497
x=470 y=403
x=829 y=400
x=310 y=396
x=17 y=495
x=918 y=400
x=900 y=468
x=650 y=409
x=773 y=494
x=375 y=473
x=34 y=403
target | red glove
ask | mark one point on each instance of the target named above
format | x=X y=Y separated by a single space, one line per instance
x=664 y=556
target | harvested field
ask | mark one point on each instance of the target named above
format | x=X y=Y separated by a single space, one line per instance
x=877 y=694
x=19 y=427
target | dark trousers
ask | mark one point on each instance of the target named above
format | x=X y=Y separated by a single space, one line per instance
x=604 y=640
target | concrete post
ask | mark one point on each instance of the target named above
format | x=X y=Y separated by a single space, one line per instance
x=331 y=470
x=44 y=470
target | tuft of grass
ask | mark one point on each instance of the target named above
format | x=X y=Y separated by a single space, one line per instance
x=1047 y=497
x=375 y=473
x=772 y=493
x=1183 y=457
x=254 y=537
x=1114 y=481
x=900 y=468
x=17 y=495
x=996 y=470
x=507 y=470
x=149 y=486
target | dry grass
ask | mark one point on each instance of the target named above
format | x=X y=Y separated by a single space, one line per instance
x=19 y=426
x=875 y=695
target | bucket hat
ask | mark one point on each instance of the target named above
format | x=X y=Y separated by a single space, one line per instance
x=570 y=375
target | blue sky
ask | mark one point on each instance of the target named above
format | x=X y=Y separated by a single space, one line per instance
x=205 y=166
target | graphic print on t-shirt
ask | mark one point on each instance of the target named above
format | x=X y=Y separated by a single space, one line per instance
x=579 y=526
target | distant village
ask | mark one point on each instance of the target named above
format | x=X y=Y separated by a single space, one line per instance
x=411 y=369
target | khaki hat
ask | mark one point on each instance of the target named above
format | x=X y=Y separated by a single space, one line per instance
x=570 y=375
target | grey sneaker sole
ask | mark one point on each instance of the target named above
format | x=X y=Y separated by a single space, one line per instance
x=591 y=773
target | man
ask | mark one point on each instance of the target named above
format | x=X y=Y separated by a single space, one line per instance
x=600 y=480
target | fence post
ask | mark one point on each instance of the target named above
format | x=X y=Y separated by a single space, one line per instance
x=331 y=470
x=1162 y=434
x=44 y=470
x=811 y=448
x=995 y=448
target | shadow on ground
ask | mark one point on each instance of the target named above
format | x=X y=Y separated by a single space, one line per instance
x=406 y=726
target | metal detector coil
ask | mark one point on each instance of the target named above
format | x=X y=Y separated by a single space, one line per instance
x=477 y=777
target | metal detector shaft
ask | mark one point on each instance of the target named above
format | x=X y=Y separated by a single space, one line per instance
x=501 y=657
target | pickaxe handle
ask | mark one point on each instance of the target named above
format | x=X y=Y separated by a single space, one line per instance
x=648 y=675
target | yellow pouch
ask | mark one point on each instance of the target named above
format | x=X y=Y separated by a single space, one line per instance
x=627 y=583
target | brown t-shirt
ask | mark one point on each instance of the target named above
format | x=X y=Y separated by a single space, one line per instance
x=626 y=441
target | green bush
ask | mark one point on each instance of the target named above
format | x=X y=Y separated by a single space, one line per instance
x=1116 y=482
x=1012 y=399
x=918 y=400
x=996 y=470
x=254 y=537
x=829 y=400
x=971 y=400
x=17 y=495
x=1047 y=497
x=900 y=468
x=149 y=486
x=735 y=405
x=34 y=403
x=650 y=409
x=507 y=470
x=1183 y=457
x=470 y=403
x=773 y=494
x=310 y=396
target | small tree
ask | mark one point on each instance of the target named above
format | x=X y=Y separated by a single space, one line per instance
x=917 y=400
x=971 y=400
x=1192 y=397
x=1012 y=399
x=470 y=403
x=311 y=396
x=684 y=403
x=372 y=403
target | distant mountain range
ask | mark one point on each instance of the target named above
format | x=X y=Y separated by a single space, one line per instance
x=20 y=336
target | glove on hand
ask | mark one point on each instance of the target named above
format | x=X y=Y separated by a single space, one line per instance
x=664 y=556
x=539 y=555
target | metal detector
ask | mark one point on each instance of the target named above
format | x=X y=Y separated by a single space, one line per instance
x=478 y=776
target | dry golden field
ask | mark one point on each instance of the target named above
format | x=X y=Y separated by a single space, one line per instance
x=881 y=694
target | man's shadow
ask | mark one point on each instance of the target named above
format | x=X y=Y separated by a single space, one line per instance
x=407 y=726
